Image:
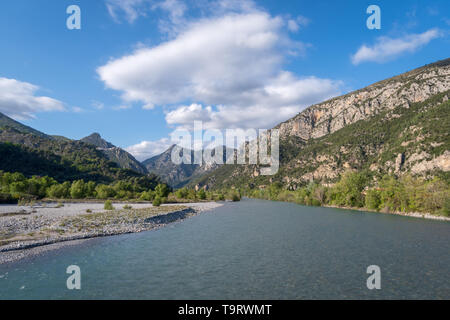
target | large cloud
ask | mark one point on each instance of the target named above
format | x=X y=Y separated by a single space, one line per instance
x=232 y=62
x=386 y=48
x=283 y=98
x=18 y=100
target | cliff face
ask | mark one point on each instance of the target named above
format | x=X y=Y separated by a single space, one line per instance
x=396 y=126
x=178 y=175
x=330 y=116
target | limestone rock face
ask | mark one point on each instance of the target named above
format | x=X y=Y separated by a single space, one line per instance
x=327 y=117
x=397 y=126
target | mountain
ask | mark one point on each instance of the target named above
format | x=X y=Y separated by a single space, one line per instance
x=182 y=174
x=115 y=154
x=26 y=150
x=7 y=122
x=399 y=125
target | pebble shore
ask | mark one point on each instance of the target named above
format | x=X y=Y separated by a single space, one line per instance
x=29 y=231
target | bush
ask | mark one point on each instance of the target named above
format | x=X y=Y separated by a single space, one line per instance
x=104 y=191
x=78 y=190
x=220 y=197
x=127 y=207
x=234 y=196
x=162 y=190
x=182 y=193
x=373 y=199
x=201 y=194
x=157 y=202
x=108 y=205
x=147 y=196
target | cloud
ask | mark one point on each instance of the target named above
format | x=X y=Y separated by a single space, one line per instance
x=294 y=25
x=283 y=98
x=148 y=149
x=232 y=62
x=130 y=10
x=386 y=48
x=19 y=101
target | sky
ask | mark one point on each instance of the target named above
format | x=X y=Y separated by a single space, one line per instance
x=137 y=70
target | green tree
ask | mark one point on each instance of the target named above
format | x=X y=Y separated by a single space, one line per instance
x=78 y=190
x=201 y=194
x=162 y=190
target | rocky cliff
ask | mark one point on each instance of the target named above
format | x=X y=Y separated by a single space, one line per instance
x=399 y=125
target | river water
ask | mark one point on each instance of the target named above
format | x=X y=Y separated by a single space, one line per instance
x=252 y=249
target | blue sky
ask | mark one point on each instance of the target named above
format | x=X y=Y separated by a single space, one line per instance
x=139 y=69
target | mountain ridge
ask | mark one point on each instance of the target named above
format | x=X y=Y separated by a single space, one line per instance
x=306 y=138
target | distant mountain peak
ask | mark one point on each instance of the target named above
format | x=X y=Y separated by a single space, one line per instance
x=115 y=154
x=96 y=139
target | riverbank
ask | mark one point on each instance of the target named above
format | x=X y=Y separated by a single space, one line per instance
x=27 y=231
x=398 y=213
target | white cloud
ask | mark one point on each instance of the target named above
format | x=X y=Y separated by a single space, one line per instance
x=386 y=48
x=19 y=101
x=233 y=62
x=148 y=149
x=283 y=98
x=130 y=10
x=296 y=24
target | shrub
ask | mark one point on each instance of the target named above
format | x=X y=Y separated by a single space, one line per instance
x=162 y=190
x=234 y=196
x=220 y=197
x=147 y=195
x=201 y=194
x=373 y=199
x=157 y=202
x=127 y=207
x=108 y=205
x=78 y=190
x=182 y=193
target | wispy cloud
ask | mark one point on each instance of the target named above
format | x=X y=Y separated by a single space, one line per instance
x=296 y=24
x=129 y=10
x=386 y=48
x=19 y=100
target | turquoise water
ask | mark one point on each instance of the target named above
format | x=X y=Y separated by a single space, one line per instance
x=253 y=249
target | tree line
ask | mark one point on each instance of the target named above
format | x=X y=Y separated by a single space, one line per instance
x=16 y=187
x=358 y=190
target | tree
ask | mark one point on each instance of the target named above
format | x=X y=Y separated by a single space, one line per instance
x=78 y=190
x=157 y=202
x=162 y=190
x=201 y=194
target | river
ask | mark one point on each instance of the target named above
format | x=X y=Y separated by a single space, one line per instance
x=252 y=249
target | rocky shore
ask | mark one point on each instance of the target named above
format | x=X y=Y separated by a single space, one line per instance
x=33 y=230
